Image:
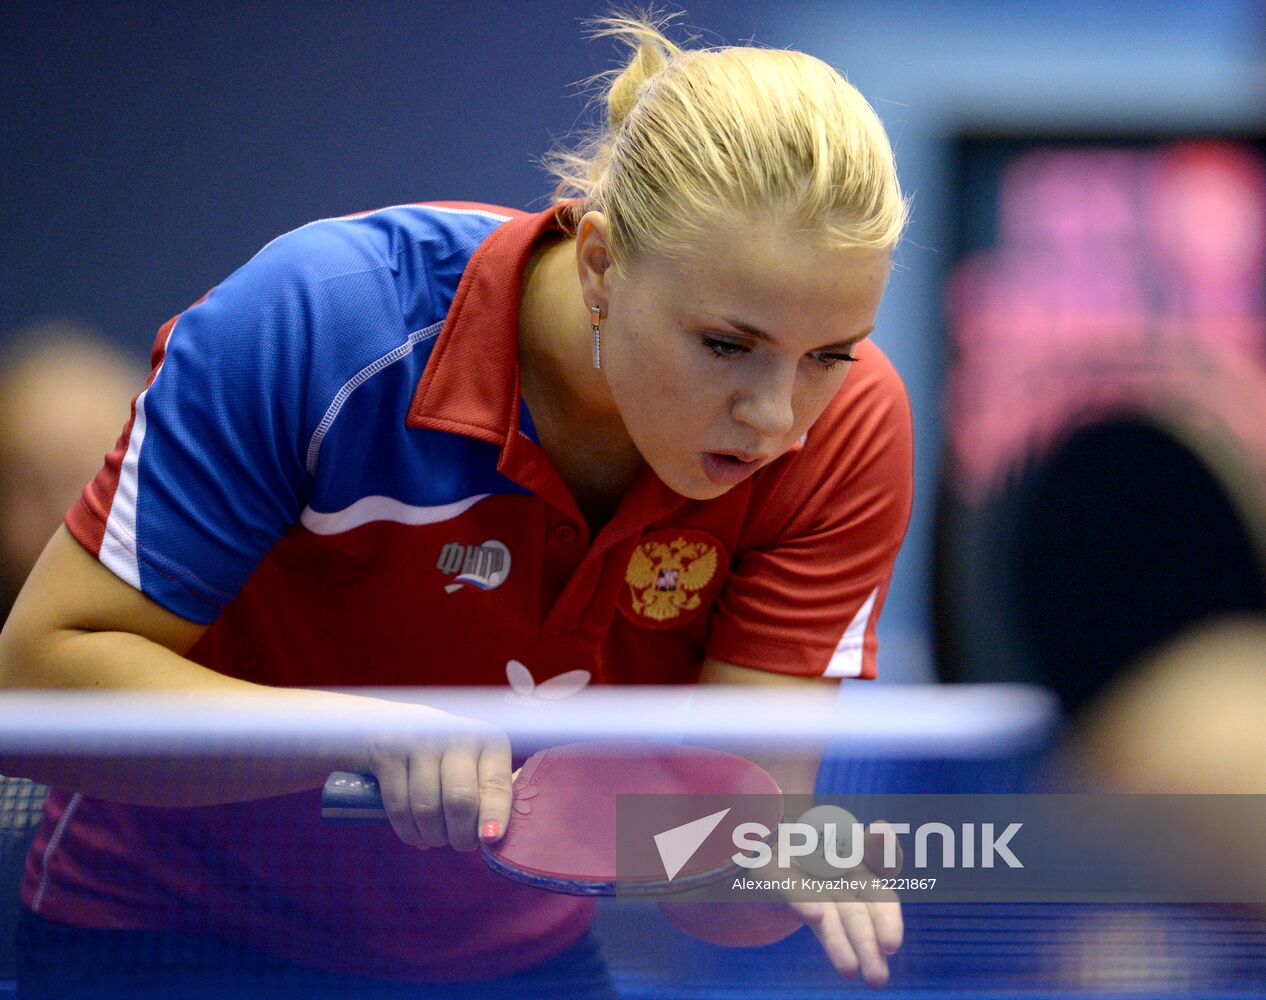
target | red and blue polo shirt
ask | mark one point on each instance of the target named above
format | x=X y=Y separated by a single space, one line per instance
x=333 y=467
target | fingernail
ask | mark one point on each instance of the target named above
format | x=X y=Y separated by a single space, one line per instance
x=490 y=831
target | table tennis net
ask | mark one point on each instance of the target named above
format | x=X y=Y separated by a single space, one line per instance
x=951 y=949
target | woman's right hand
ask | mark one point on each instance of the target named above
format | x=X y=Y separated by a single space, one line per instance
x=450 y=789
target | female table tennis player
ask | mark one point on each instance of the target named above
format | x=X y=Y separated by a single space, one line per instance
x=435 y=444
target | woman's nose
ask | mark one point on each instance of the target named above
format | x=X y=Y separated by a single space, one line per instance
x=766 y=404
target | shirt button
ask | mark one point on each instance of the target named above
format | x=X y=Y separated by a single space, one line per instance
x=565 y=533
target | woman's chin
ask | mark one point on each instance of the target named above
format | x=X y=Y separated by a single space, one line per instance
x=692 y=483
x=697 y=489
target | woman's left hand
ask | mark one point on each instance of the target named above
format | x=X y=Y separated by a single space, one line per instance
x=857 y=928
x=857 y=935
x=860 y=926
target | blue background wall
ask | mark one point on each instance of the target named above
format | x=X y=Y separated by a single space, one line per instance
x=149 y=148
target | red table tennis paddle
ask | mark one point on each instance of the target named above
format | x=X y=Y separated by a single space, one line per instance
x=562 y=830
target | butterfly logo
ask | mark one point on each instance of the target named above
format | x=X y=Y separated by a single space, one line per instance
x=527 y=690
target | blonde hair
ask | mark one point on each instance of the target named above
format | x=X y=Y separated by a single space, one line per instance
x=697 y=137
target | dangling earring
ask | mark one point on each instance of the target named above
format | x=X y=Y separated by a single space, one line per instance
x=597 y=335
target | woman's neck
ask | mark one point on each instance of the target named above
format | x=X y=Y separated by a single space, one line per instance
x=575 y=418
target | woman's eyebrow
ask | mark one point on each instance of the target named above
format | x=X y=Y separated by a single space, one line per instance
x=758 y=334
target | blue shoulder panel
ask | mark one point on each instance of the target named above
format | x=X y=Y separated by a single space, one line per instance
x=303 y=360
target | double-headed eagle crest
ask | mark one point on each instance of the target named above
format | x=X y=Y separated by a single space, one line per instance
x=664 y=577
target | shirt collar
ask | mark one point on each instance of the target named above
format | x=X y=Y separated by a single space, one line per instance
x=471 y=382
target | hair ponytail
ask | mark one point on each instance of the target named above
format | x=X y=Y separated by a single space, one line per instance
x=651 y=53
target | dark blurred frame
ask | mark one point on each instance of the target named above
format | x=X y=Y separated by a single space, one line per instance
x=1141 y=516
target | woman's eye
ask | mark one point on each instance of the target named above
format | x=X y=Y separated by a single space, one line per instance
x=829 y=361
x=724 y=348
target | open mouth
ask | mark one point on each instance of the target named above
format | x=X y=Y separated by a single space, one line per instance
x=726 y=469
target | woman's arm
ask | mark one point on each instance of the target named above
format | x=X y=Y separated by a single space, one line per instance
x=793 y=766
x=857 y=935
x=77 y=626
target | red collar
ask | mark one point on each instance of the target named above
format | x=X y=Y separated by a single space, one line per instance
x=471 y=382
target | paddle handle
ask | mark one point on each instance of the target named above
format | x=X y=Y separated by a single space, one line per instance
x=355 y=798
x=352 y=798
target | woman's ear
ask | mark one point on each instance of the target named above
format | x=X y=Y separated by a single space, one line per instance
x=593 y=260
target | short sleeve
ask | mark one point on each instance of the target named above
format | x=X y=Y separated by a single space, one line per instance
x=210 y=472
x=809 y=580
